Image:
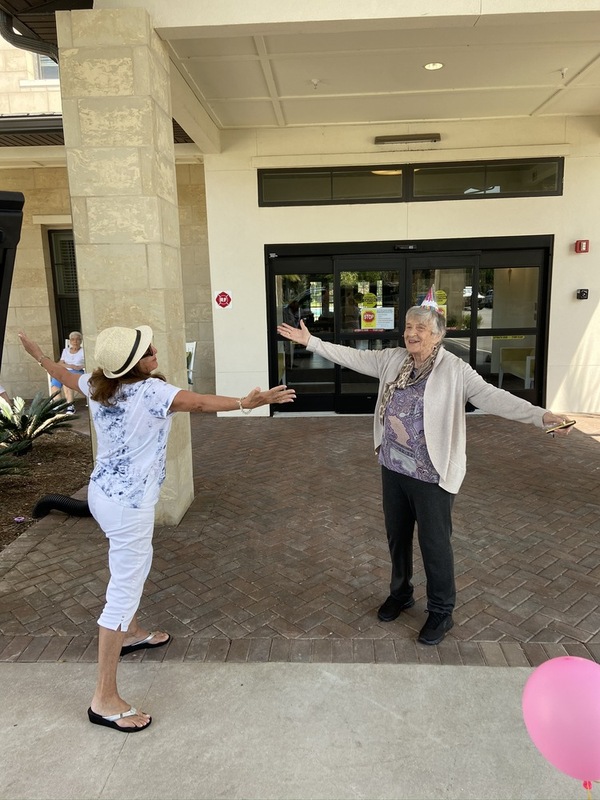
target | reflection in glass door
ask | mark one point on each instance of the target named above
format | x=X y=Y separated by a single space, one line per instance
x=491 y=315
x=357 y=303
x=308 y=297
x=371 y=298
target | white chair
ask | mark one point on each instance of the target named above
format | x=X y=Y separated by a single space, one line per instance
x=519 y=361
x=190 y=356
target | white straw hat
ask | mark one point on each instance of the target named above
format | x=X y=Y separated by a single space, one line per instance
x=119 y=349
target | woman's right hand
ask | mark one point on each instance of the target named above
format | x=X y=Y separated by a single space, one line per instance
x=30 y=346
x=299 y=335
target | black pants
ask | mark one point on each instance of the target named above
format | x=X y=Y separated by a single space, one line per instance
x=406 y=501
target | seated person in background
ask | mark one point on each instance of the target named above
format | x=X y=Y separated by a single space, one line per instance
x=3 y=394
x=71 y=358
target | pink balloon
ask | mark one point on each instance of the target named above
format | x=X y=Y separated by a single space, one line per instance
x=561 y=710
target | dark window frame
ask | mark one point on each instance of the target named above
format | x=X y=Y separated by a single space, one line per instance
x=64 y=301
x=408 y=171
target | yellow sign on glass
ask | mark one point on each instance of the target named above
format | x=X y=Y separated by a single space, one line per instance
x=368 y=318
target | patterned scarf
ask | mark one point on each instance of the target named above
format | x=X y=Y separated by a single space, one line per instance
x=408 y=376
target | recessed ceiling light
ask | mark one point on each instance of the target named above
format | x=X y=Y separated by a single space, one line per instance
x=433 y=65
x=386 y=172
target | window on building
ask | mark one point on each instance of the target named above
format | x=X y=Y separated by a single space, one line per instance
x=47 y=69
x=66 y=291
x=329 y=186
x=508 y=179
x=410 y=183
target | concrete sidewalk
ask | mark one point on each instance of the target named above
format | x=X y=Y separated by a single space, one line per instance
x=275 y=731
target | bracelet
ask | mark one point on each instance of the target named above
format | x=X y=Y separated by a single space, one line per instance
x=242 y=409
x=41 y=359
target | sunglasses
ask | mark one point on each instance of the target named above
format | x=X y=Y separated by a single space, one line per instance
x=149 y=352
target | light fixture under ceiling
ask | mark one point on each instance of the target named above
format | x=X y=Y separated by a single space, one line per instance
x=408 y=137
x=386 y=172
x=433 y=65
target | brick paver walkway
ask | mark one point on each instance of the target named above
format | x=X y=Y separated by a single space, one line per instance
x=282 y=556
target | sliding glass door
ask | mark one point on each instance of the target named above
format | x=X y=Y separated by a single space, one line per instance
x=491 y=300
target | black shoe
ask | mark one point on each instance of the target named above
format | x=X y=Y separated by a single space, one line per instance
x=436 y=627
x=392 y=608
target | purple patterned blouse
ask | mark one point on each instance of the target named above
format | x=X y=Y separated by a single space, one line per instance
x=403 y=447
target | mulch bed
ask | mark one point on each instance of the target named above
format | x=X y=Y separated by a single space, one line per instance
x=59 y=463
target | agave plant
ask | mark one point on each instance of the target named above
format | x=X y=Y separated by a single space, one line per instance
x=9 y=465
x=44 y=415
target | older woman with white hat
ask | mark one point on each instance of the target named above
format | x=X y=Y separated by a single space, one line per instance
x=132 y=409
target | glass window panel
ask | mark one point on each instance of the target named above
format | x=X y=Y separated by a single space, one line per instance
x=69 y=313
x=369 y=300
x=449 y=181
x=527 y=178
x=510 y=297
x=64 y=264
x=386 y=183
x=295 y=186
x=306 y=372
x=47 y=68
x=308 y=297
x=453 y=290
x=356 y=383
x=64 y=273
x=366 y=184
x=459 y=346
x=512 y=362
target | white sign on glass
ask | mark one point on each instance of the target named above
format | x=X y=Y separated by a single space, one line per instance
x=385 y=318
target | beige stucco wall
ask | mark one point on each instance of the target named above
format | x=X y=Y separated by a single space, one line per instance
x=31 y=301
x=196 y=273
x=239 y=229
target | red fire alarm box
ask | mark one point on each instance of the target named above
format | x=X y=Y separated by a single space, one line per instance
x=582 y=246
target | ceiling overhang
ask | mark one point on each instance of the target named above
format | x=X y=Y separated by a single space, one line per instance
x=276 y=66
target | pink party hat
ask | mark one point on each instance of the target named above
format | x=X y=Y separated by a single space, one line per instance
x=430 y=298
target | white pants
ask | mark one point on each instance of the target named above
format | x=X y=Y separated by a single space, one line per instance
x=129 y=533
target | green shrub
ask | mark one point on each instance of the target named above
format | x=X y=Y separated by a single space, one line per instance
x=9 y=465
x=44 y=415
x=466 y=323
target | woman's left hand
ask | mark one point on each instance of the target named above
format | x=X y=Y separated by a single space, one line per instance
x=278 y=394
x=549 y=419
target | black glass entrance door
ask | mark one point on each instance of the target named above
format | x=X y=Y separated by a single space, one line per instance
x=304 y=290
x=352 y=301
x=371 y=303
x=494 y=301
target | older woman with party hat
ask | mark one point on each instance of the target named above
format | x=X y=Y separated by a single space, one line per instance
x=420 y=438
x=132 y=408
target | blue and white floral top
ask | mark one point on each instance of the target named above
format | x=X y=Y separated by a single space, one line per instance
x=132 y=441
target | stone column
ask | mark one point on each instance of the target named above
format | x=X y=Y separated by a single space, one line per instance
x=114 y=74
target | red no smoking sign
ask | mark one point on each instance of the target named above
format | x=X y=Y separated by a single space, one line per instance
x=223 y=299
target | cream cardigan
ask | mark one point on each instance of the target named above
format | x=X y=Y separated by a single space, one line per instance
x=450 y=385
